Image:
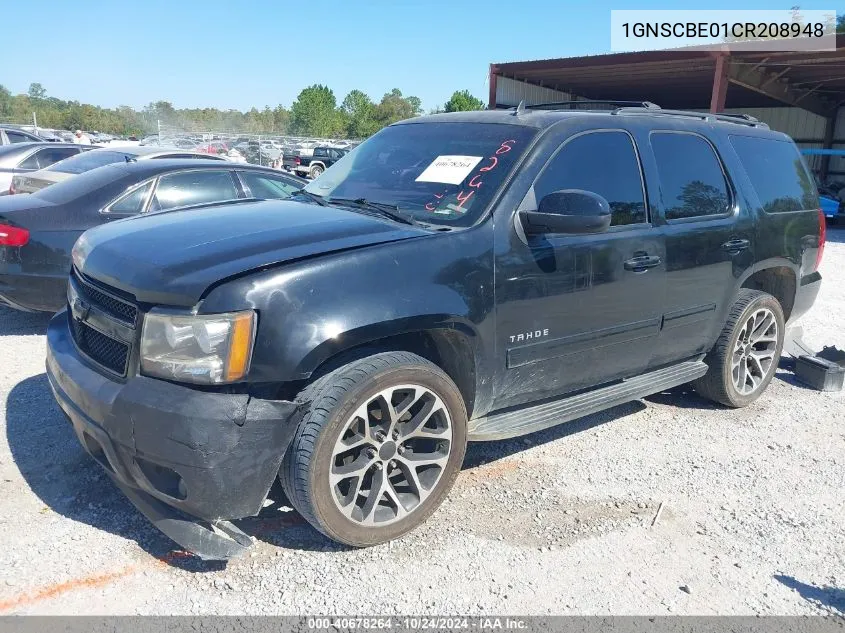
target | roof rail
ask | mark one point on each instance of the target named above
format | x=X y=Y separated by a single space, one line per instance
x=559 y=105
x=746 y=117
x=739 y=119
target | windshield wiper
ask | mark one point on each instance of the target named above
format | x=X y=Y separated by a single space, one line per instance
x=382 y=208
x=312 y=196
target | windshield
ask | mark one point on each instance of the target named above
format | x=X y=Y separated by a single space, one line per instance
x=443 y=173
x=89 y=160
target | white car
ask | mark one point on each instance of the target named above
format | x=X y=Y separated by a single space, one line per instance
x=70 y=167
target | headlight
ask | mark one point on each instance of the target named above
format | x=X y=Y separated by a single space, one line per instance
x=200 y=348
x=80 y=251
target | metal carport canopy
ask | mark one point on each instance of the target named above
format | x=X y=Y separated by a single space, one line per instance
x=693 y=78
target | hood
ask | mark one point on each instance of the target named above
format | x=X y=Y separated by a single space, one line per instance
x=171 y=258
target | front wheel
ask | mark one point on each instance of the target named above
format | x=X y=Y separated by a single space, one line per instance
x=378 y=449
x=747 y=353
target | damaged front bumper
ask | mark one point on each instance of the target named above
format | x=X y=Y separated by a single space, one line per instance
x=189 y=460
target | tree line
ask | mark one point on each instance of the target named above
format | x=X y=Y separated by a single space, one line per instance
x=315 y=112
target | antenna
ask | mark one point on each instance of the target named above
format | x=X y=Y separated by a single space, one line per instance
x=520 y=109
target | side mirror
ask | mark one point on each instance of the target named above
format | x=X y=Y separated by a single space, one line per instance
x=568 y=211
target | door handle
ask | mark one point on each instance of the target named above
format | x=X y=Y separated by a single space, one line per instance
x=735 y=245
x=641 y=263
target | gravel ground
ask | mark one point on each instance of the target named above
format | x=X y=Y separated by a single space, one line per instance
x=561 y=522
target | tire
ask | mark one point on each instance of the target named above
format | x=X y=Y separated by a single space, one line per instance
x=740 y=365
x=346 y=412
x=315 y=172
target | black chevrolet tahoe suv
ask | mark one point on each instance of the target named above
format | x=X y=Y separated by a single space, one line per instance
x=458 y=277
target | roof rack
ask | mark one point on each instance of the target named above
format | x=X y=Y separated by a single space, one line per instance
x=739 y=119
x=560 y=105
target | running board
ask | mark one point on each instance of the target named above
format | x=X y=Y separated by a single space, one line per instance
x=513 y=423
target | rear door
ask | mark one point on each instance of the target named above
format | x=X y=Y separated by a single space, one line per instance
x=709 y=240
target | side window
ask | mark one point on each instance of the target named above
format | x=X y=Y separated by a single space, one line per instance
x=777 y=173
x=30 y=162
x=267 y=187
x=132 y=202
x=193 y=187
x=48 y=156
x=692 y=182
x=604 y=163
x=319 y=152
x=16 y=137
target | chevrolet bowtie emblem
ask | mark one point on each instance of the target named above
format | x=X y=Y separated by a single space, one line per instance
x=80 y=309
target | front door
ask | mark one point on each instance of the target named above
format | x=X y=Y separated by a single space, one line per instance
x=575 y=311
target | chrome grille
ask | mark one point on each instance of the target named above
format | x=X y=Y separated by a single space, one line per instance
x=102 y=323
x=109 y=303
x=105 y=351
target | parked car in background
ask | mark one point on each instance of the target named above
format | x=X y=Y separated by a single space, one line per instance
x=48 y=135
x=270 y=151
x=212 y=147
x=30 y=183
x=832 y=207
x=181 y=143
x=10 y=134
x=24 y=158
x=320 y=160
x=38 y=231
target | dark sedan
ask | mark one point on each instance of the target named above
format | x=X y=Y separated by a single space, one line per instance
x=38 y=231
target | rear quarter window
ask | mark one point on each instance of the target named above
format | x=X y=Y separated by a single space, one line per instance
x=777 y=173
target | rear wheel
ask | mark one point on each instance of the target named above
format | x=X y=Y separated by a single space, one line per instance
x=378 y=449
x=747 y=353
x=316 y=170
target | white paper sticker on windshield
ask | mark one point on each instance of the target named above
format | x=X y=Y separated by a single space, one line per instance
x=450 y=170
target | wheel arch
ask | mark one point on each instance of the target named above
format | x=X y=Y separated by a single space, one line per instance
x=451 y=345
x=775 y=277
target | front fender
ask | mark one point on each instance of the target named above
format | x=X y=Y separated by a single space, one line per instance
x=310 y=310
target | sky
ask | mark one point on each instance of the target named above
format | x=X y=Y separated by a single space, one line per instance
x=249 y=53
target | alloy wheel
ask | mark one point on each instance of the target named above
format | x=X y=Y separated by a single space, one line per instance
x=391 y=454
x=754 y=351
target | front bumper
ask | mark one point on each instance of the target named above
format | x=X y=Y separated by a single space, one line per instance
x=182 y=456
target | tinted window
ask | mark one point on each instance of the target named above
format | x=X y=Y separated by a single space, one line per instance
x=48 y=156
x=193 y=187
x=691 y=179
x=777 y=173
x=320 y=152
x=264 y=186
x=132 y=202
x=17 y=137
x=90 y=160
x=30 y=163
x=604 y=163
